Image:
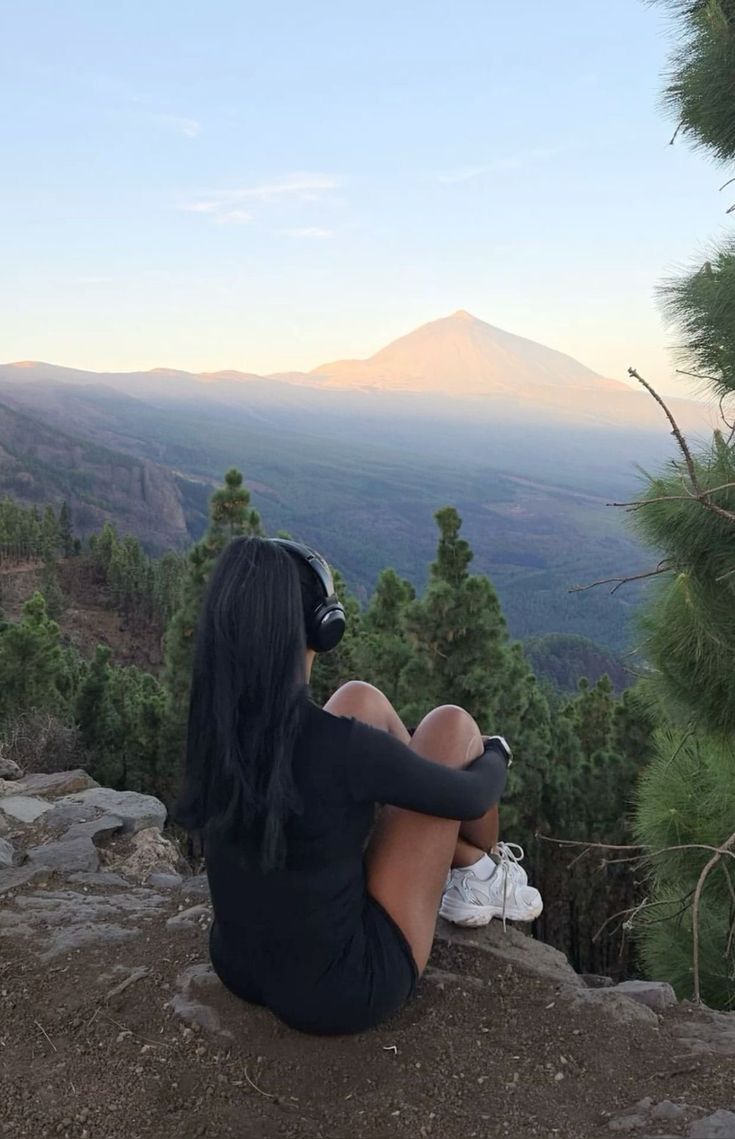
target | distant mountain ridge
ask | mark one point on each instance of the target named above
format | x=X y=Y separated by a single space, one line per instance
x=487 y=373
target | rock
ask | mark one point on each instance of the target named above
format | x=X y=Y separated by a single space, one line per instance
x=194 y=1012
x=7 y=853
x=627 y=1122
x=707 y=1031
x=719 y=1125
x=164 y=881
x=66 y=855
x=149 y=853
x=189 y=919
x=668 y=1110
x=195 y=981
x=136 y=811
x=9 y=768
x=24 y=808
x=55 y=784
x=80 y=936
x=509 y=945
x=95 y=829
x=596 y=981
x=16 y=876
x=619 y=1006
x=198 y=885
x=62 y=920
x=101 y=878
x=656 y=995
x=66 y=813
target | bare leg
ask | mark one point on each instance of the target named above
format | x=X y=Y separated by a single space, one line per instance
x=409 y=854
x=483 y=832
x=367 y=703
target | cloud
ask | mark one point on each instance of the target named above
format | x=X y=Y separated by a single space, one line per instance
x=520 y=161
x=234 y=217
x=188 y=127
x=308 y=231
x=95 y=281
x=225 y=205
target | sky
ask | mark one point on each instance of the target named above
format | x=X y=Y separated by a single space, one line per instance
x=224 y=184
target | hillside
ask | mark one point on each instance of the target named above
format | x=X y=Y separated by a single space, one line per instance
x=115 y=1024
x=40 y=463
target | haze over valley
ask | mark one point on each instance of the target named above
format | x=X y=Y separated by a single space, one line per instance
x=356 y=455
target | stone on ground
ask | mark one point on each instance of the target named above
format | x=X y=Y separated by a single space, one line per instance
x=7 y=853
x=9 y=769
x=137 y=811
x=55 y=784
x=656 y=995
x=24 y=808
x=66 y=855
x=719 y=1125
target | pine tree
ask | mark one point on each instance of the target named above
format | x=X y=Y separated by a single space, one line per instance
x=458 y=630
x=231 y=516
x=689 y=517
x=66 y=533
x=32 y=663
x=93 y=712
x=384 y=650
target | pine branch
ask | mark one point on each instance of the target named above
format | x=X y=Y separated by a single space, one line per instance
x=675 y=429
x=726 y=421
x=660 y=568
x=697 y=375
x=724 y=849
x=699 y=494
x=636 y=504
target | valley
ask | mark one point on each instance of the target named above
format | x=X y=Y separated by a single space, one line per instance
x=356 y=457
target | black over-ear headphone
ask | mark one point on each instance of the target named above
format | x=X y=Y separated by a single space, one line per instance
x=325 y=624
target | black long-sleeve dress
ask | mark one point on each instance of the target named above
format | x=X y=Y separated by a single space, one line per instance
x=309 y=941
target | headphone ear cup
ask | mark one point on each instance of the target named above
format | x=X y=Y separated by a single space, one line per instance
x=327 y=626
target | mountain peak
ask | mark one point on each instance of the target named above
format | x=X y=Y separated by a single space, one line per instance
x=463 y=355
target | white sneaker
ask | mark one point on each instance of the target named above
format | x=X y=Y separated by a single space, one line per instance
x=470 y=901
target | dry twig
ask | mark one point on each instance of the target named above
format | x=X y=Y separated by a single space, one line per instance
x=699 y=494
x=660 y=568
x=45 y=1033
x=268 y=1095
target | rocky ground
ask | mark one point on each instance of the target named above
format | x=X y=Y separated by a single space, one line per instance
x=113 y=1024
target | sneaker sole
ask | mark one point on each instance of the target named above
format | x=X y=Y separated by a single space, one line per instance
x=483 y=915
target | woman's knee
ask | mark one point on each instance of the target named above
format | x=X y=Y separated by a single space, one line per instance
x=357 y=697
x=451 y=718
x=448 y=734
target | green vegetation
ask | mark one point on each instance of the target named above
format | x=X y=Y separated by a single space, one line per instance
x=687 y=796
x=565 y=659
x=575 y=759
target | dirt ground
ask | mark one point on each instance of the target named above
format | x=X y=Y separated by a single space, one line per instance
x=484 y=1050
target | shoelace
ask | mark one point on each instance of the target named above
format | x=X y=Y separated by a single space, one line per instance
x=511 y=854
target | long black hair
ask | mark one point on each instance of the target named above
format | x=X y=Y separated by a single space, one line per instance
x=248 y=697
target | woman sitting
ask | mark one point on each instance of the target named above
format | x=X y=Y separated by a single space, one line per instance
x=322 y=916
